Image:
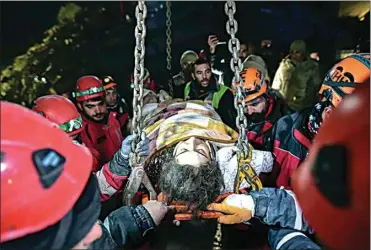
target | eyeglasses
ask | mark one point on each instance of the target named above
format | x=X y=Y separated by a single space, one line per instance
x=71 y=125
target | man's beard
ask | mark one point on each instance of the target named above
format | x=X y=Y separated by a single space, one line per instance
x=94 y=118
x=204 y=83
x=256 y=117
x=197 y=186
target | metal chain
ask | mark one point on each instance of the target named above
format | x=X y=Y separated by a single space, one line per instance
x=236 y=65
x=168 y=35
x=139 y=52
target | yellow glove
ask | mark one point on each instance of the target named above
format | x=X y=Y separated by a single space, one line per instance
x=238 y=208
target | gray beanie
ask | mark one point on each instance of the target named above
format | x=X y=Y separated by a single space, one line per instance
x=298 y=45
x=253 y=61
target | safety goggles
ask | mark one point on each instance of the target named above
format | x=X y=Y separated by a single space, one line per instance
x=71 y=125
x=336 y=86
x=91 y=91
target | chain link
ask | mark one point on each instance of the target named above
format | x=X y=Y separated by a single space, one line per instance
x=236 y=65
x=168 y=35
x=139 y=52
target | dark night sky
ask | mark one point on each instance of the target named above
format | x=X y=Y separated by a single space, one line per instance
x=23 y=24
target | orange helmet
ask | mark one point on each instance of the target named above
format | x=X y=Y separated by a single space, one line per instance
x=344 y=77
x=88 y=87
x=42 y=167
x=333 y=185
x=108 y=82
x=61 y=111
x=254 y=83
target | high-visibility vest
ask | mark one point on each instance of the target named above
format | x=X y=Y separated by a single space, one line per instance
x=217 y=96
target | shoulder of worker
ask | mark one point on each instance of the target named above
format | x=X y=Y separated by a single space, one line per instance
x=284 y=238
x=286 y=64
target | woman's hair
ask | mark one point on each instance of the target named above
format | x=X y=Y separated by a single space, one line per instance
x=196 y=186
x=153 y=168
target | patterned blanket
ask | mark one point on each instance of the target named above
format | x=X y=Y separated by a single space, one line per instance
x=172 y=121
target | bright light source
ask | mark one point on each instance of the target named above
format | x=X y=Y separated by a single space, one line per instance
x=156 y=9
x=3 y=166
x=161 y=6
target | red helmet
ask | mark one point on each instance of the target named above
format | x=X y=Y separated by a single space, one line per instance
x=333 y=184
x=61 y=111
x=41 y=172
x=108 y=82
x=88 y=87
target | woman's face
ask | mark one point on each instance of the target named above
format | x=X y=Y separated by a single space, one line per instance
x=193 y=152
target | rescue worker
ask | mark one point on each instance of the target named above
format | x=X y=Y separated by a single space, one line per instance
x=204 y=87
x=293 y=134
x=178 y=82
x=102 y=130
x=50 y=198
x=220 y=57
x=61 y=111
x=64 y=114
x=263 y=107
x=297 y=78
x=114 y=101
x=331 y=195
x=148 y=82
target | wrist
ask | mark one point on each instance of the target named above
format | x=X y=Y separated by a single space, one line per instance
x=144 y=220
x=119 y=165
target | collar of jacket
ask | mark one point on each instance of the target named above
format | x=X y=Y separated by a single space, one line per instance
x=198 y=90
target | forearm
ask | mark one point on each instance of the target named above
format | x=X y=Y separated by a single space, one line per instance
x=125 y=227
x=279 y=207
x=112 y=177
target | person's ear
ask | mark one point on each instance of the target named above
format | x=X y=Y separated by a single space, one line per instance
x=79 y=106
